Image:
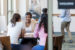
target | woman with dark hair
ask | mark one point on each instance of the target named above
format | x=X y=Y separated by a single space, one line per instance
x=15 y=28
x=44 y=12
x=29 y=23
x=41 y=31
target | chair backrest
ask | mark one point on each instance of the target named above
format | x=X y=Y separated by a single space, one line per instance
x=6 y=42
x=57 y=42
x=46 y=45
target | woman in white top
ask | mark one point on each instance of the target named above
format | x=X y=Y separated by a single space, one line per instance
x=29 y=23
x=15 y=28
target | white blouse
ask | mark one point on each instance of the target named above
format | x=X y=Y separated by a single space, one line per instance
x=14 y=32
x=31 y=26
x=28 y=29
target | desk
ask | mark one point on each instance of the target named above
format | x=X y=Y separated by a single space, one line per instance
x=28 y=38
x=3 y=34
x=28 y=35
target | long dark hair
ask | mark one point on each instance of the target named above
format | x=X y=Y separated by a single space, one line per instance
x=44 y=21
x=15 y=19
x=44 y=10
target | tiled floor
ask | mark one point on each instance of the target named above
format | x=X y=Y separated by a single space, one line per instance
x=67 y=45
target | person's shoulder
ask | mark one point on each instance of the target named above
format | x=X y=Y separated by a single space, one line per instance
x=22 y=22
x=19 y=23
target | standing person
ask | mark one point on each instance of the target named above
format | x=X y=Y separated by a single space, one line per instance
x=41 y=31
x=44 y=13
x=66 y=20
x=15 y=29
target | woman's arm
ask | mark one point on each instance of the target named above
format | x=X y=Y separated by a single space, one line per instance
x=22 y=32
x=36 y=31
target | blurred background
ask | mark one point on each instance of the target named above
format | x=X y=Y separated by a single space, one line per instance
x=9 y=7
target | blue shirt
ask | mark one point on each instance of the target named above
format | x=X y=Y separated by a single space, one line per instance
x=65 y=15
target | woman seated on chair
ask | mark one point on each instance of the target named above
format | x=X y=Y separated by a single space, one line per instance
x=29 y=24
x=15 y=28
x=41 y=31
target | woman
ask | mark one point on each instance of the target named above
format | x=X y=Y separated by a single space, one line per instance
x=65 y=23
x=41 y=31
x=15 y=28
x=30 y=23
x=44 y=10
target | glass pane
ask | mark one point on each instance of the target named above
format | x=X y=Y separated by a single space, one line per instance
x=0 y=7
x=63 y=24
x=9 y=9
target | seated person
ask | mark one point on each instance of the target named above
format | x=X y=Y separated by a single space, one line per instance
x=15 y=28
x=41 y=31
x=29 y=23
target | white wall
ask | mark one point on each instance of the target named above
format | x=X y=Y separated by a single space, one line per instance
x=43 y=3
x=22 y=7
x=3 y=24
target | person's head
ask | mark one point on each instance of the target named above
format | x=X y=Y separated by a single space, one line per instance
x=44 y=10
x=28 y=17
x=44 y=22
x=16 y=17
x=34 y=2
